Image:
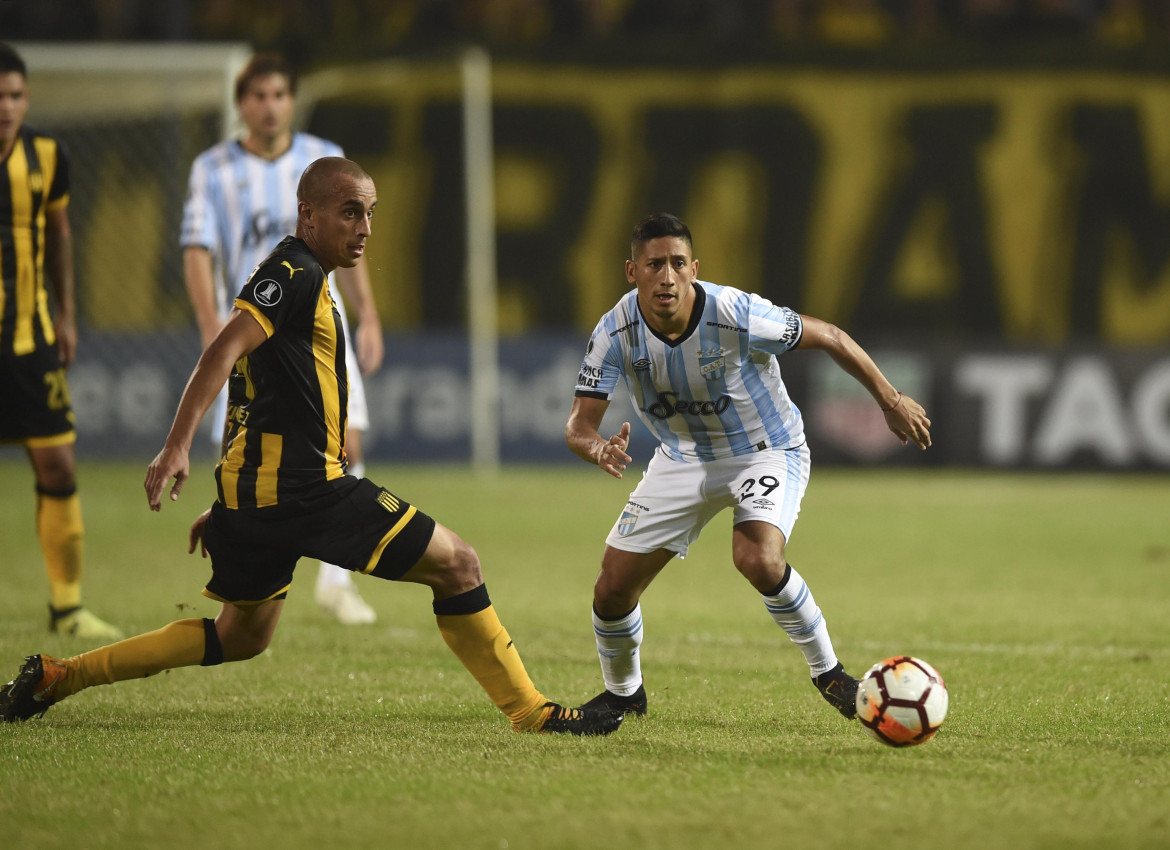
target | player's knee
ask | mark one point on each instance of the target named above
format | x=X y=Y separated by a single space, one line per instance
x=240 y=646
x=763 y=569
x=463 y=566
x=54 y=474
x=457 y=571
x=611 y=599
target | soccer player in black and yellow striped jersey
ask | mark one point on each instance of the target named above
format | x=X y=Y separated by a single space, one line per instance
x=35 y=350
x=284 y=492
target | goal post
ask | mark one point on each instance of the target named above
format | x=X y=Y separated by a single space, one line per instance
x=80 y=82
x=482 y=310
x=465 y=77
x=132 y=117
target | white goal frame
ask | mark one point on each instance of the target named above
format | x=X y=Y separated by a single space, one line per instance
x=205 y=76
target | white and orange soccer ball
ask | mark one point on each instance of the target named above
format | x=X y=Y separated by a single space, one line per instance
x=902 y=701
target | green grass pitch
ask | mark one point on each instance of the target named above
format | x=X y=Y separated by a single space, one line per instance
x=1042 y=600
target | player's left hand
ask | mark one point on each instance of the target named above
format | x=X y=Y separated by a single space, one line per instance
x=196 y=536
x=612 y=455
x=169 y=463
x=907 y=419
x=369 y=347
x=66 y=330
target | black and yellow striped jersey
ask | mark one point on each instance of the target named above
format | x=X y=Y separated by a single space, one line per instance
x=287 y=400
x=34 y=179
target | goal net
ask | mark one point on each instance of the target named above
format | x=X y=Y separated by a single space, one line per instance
x=132 y=118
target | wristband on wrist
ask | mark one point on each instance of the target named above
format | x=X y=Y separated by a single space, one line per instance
x=894 y=405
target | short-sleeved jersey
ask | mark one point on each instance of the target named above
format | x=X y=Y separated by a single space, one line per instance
x=34 y=179
x=239 y=206
x=714 y=392
x=287 y=399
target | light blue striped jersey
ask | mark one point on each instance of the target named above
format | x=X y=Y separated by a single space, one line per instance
x=239 y=206
x=714 y=392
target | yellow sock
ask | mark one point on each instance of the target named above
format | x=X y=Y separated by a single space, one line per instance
x=481 y=642
x=62 y=542
x=178 y=644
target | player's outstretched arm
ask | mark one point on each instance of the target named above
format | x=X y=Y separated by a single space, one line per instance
x=904 y=416
x=586 y=441
x=240 y=336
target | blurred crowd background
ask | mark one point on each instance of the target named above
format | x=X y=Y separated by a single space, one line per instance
x=319 y=31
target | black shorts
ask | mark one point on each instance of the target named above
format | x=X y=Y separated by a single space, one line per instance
x=350 y=522
x=35 y=393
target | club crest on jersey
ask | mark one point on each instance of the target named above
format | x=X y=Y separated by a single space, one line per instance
x=628 y=520
x=712 y=363
x=268 y=293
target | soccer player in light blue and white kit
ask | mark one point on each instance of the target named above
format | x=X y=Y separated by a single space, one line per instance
x=700 y=363
x=241 y=201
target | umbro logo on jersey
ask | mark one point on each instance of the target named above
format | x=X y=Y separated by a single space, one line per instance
x=268 y=293
x=291 y=270
x=642 y=365
x=763 y=503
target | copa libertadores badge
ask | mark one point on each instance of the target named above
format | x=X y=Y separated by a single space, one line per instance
x=268 y=293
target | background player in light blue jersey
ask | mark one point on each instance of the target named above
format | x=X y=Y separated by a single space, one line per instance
x=241 y=201
x=699 y=361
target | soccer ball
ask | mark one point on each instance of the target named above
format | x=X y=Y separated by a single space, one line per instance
x=902 y=701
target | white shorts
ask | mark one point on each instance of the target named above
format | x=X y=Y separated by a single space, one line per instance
x=359 y=413
x=674 y=501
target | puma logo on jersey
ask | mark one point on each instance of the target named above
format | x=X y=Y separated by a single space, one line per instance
x=268 y=293
x=291 y=270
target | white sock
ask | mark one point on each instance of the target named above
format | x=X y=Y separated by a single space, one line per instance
x=795 y=611
x=617 y=647
x=357 y=469
x=332 y=576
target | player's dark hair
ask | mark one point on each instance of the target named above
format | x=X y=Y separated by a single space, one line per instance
x=655 y=227
x=261 y=65
x=10 y=61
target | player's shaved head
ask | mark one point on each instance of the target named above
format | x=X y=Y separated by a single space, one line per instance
x=335 y=200
x=321 y=178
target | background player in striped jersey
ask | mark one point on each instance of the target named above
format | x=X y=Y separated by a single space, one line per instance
x=700 y=362
x=241 y=202
x=283 y=491
x=35 y=351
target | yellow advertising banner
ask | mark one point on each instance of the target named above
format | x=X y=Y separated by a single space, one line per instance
x=1022 y=205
